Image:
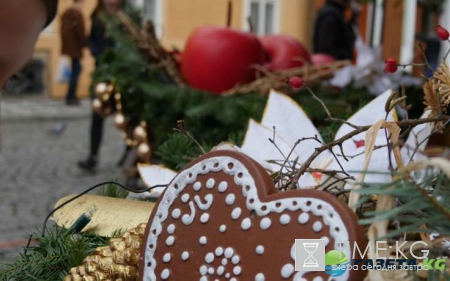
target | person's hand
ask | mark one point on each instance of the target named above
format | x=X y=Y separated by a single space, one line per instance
x=21 y=22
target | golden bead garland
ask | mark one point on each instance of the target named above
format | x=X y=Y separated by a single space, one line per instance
x=136 y=137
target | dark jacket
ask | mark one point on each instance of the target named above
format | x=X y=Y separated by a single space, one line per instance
x=73 y=33
x=333 y=35
x=98 y=39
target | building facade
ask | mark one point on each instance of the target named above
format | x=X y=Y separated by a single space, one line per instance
x=395 y=25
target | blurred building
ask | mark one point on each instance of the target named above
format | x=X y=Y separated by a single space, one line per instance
x=396 y=25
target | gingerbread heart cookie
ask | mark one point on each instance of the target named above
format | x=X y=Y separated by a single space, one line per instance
x=222 y=219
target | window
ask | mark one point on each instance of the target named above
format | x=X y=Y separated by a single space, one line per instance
x=263 y=16
x=154 y=12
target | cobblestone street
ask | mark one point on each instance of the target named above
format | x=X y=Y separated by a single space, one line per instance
x=41 y=141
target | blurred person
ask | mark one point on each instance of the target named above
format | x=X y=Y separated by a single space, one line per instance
x=21 y=22
x=333 y=34
x=98 y=42
x=73 y=41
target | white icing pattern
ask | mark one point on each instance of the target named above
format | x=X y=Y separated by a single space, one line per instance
x=185 y=255
x=246 y=223
x=287 y=270
x=218 y=251
x=241 y=177
x=209 y=258
x=204 y=218
x=188 y=219
x=170 y=240
x=260 y=277
x=203 y=240
x=210 y=183
x=171 y=229
x=265 y=223
x=176 y=213
x=317 y=226
x=165 y=274
x=222 y=187
x=167 y=257
x=236 y=213
x=259 y=250
x=303 y=218
x=223 y=228
x=208 y=202
x=285 y=219
x=230 y=199
x=197 y=186
x=185 y=198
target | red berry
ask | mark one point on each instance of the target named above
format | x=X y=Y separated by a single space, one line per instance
x=391 y=66
x=360 y=143
x=442 y=33
x=296 y=82
x=317 y=176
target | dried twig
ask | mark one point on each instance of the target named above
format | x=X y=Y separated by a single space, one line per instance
x=360 y=129
x=147 y=41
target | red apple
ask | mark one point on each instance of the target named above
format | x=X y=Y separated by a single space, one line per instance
x=318 y=59
x=284 y=52
x=216 y=59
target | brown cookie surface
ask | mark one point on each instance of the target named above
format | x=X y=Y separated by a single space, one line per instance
x=222 y=219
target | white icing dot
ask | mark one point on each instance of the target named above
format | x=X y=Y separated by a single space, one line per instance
x=204 y=278
x=317 y=226
x=235 y=259
x=287 y=270
x=237 y=270
x=285 y=219
x=170 y=240
x=327 y=240
x=223 y=187
x=165 y=274
x=210 y=183
x=259 y=249
x=185 y=198
x=233 y=279
x=224 y=261
x=229 y=252
x=203 y=270
x=220 y=270
x=197 y=186
x=167 y=257
x=203 y=240
x=318 y=278
x=185 y=255
x=176 y=213
x=260 y=277
x=171 y=229
x=219 y=251
x=265 y=223
x=222 y=228
x=303 y=218
x=236 y=213
x=293 y=252
x=246 y=223
x=211 y=270
x=227 y=275
x=209 y=258
x=230 y=199
x=204 y=218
